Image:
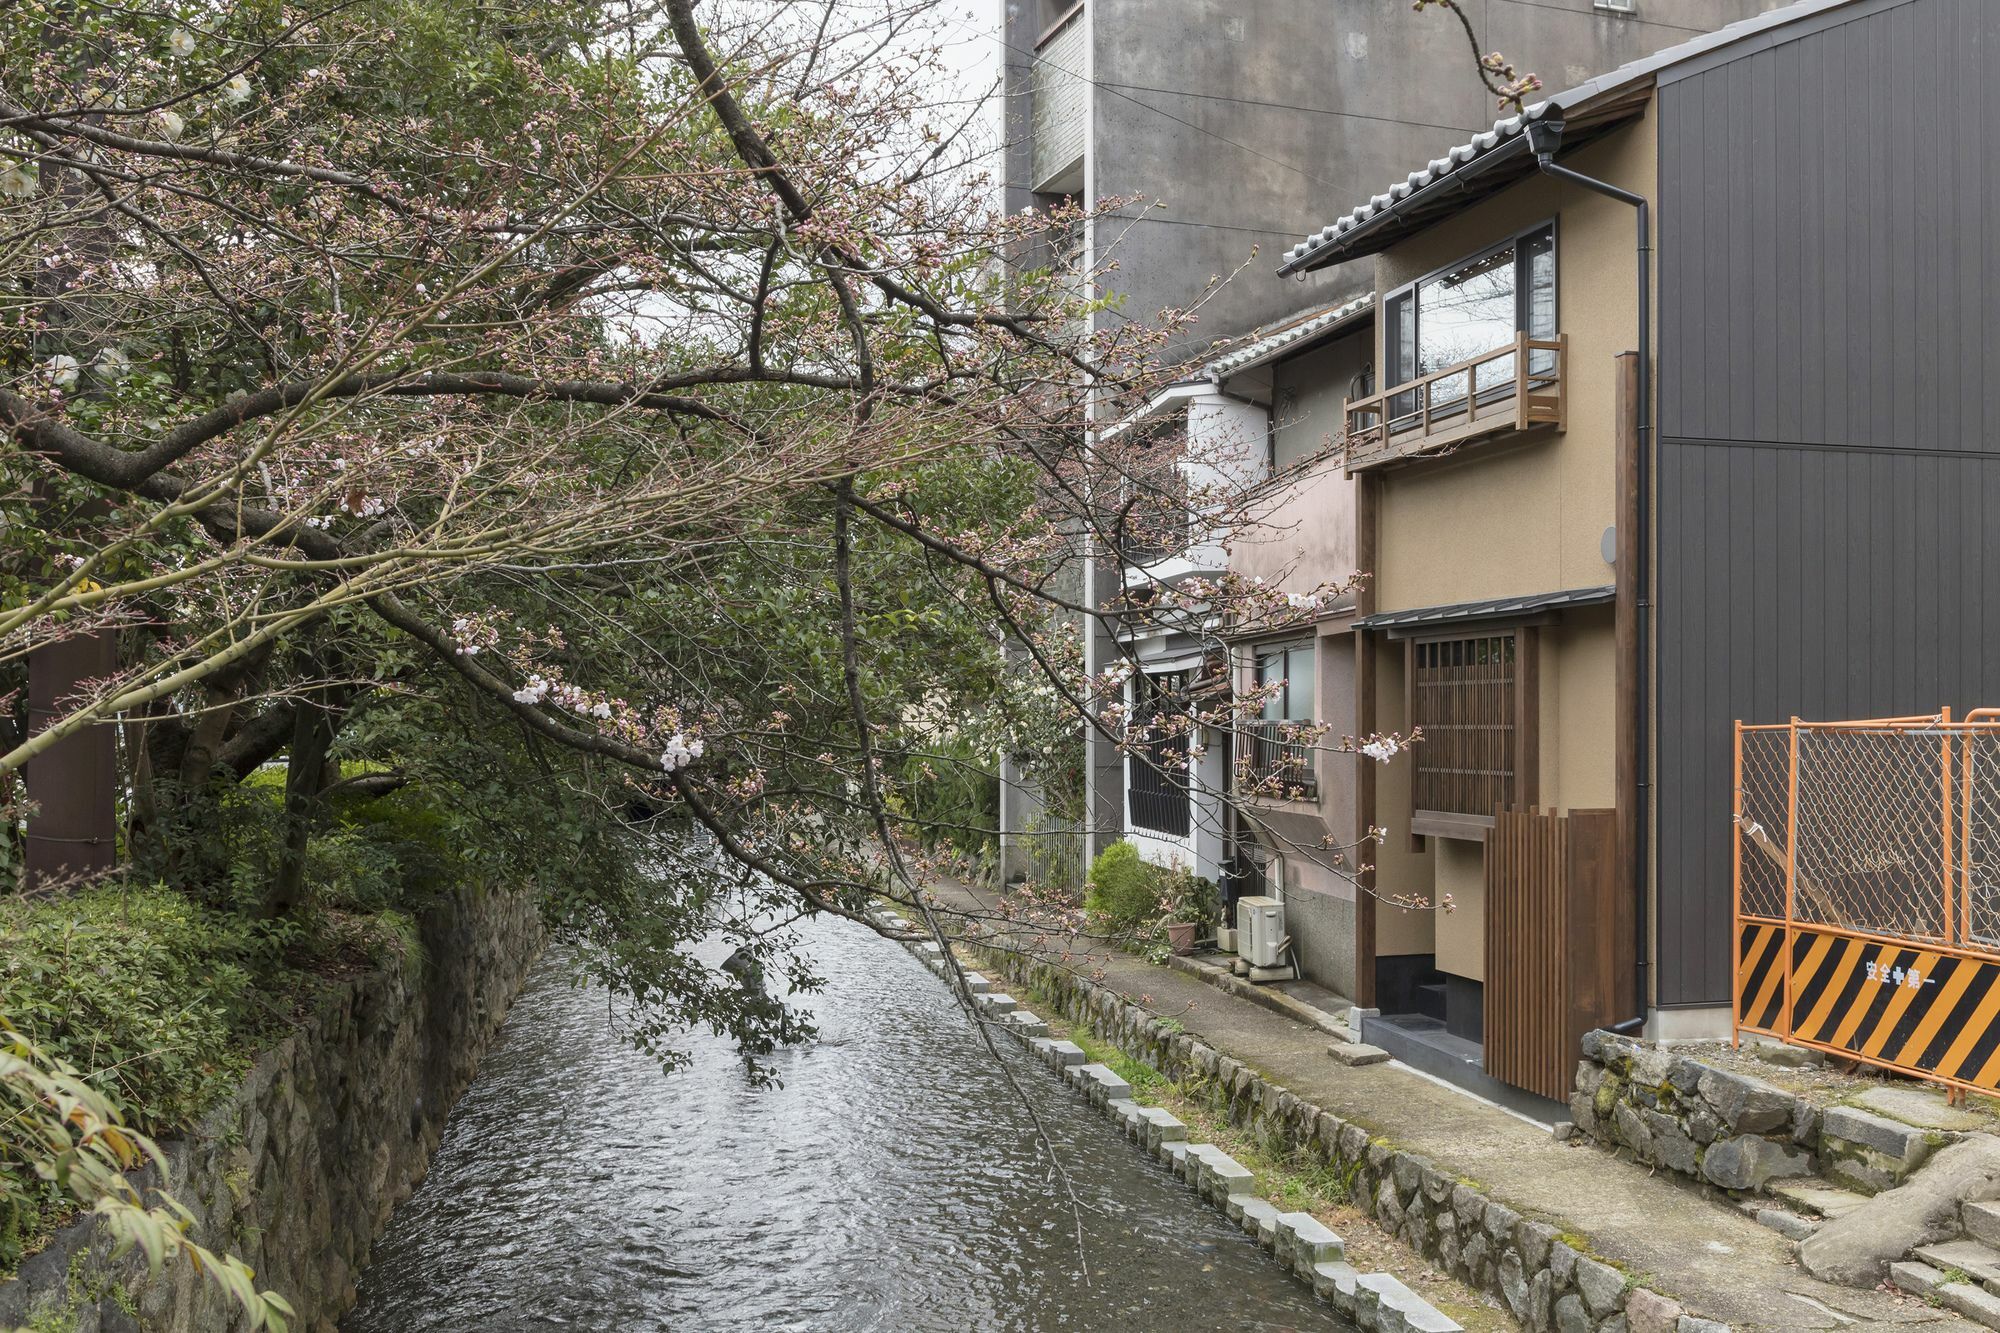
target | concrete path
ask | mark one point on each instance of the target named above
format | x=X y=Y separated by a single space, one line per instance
x=1707 y=1254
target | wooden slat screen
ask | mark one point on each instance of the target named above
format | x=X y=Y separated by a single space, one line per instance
x=1463 y=697
x=1555 y=957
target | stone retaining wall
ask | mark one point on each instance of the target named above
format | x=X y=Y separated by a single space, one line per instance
x=1729 y=1130
x=298 y=1171
x=1546 y=1283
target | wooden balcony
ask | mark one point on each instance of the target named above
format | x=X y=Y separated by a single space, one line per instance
x=1515 y=387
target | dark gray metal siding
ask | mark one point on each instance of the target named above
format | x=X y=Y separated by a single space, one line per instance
x=1829 y=409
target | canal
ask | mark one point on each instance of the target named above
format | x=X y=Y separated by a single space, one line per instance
x=894 y=1182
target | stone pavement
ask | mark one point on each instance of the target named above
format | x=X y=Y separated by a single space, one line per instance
x=1710 y=1256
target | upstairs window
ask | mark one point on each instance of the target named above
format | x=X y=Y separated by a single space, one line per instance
x=1466 y=310
x=1278 y=761
x=1160 y=770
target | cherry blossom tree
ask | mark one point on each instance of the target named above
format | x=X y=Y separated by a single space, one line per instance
x=627 y=429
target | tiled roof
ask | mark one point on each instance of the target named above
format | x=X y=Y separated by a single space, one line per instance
x=1504 y=138
x=1298 y=330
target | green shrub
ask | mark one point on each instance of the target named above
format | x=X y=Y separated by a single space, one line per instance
x=1123 y=889
x=153 y=999
x=149 y=994
x=1189 y=897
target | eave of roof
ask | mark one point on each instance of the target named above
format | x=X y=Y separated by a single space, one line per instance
x=1492 y=609
x=1301 y=332
x=1499 y=156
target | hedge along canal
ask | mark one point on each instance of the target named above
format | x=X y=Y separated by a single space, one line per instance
x=894 y=1181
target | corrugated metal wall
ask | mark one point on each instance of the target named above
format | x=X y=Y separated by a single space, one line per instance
x=1829 y=408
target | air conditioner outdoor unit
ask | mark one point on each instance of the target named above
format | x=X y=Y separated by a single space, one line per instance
x=1260 y=931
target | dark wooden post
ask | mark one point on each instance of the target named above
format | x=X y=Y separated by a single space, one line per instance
x=1626 y=631
x=72 y=786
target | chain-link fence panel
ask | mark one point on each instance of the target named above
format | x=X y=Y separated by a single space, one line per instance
x=1871 y=830
x=1763 y=832
x=1979 y=813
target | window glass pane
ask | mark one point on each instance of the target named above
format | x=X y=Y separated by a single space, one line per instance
x=1399 y=341
x=1299 y=692
x=1462 y=313
x=1538 y=259
x=1271 y=670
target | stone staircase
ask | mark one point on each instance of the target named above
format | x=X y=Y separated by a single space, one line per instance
x=1963 y=1274
x=1861 y=1154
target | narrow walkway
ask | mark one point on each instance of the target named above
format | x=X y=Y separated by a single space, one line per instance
x=1718 y=1262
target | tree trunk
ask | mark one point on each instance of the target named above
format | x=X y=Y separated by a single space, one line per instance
x=315 y=723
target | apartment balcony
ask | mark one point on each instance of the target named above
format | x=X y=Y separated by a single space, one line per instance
x=1159 y=565
x=1516 y=387
x=1060 y=108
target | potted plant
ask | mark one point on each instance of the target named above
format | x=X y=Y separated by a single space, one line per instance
x=1188 y=905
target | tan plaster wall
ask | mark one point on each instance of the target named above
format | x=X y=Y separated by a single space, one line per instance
x=1527 y=516
x=1461 y=932
x=1579 y=712
x=1398 y=870
x=1299 y=533
x=1308 y=391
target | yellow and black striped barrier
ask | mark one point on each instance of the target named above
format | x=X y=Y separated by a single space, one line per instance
x=1924 y=1010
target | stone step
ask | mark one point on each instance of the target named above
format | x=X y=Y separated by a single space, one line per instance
x=1027 y=1024
x=1100 y=1080
x=1064 y=1053
x=995 y=1005
x=1418 y=1314
x=1871 y=1152
x=977 y=984
x=1979 y=1262
x=1335 y=1283
x=1230 y=1176
x=1982 y=1222
x=1251 y=1213
x=1967 y=1298
x=1313 y=1242
x=1786 y=1223
x=1355 y=1053
x=1814 y=1195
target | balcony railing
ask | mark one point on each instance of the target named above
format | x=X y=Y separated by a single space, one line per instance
x=1514 y=387
x=1061 y=105
x=1277 y=762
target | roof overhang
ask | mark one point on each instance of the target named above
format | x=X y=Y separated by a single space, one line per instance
x=1499 y=157
x=1465 y=176
x=1299 y=335
x=1423 y=619
x=1174 y=395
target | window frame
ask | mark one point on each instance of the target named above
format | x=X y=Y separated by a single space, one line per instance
x=1254 y=737
x=1391 y=320
x=1163 y=795
x=1523 y=776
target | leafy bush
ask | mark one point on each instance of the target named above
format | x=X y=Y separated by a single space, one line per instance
x=63 y=1140
x=1189 y=897
x=1123 y=889
x=150 y=998
x=953 y=795
x=149 y=994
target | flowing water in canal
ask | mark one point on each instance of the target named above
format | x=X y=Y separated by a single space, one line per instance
x=892 y=1183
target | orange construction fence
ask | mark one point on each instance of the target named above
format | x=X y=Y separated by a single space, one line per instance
x=1866 y=863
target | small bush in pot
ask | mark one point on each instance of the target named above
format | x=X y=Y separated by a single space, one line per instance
x=1189 y=905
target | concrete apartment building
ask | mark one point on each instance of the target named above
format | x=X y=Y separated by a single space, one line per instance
x=1230 y=122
